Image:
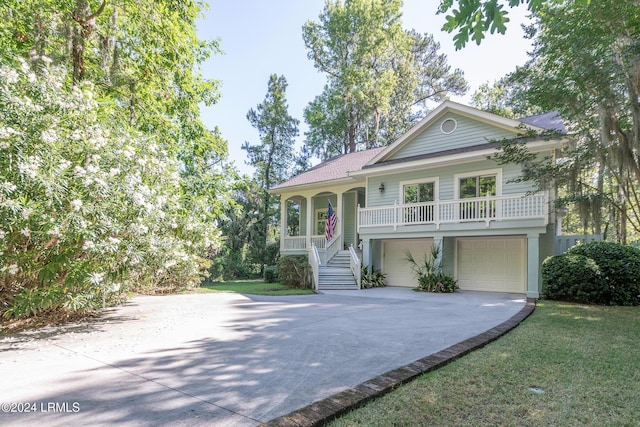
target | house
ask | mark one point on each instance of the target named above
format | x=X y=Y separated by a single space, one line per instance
x=433 y=186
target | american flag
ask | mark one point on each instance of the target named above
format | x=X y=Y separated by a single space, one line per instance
x=330 y=226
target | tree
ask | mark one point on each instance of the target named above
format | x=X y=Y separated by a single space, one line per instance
x=274 y=157
x=376 y=73
x=506 y=98
x=475 y=17
x=115 y=45
x=90 y=210
x=243 y=246
x=139 y=210
x=585 y=65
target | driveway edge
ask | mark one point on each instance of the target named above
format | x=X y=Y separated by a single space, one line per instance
x=321 y=412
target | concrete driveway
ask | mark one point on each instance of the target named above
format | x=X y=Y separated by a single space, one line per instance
x=228 y=359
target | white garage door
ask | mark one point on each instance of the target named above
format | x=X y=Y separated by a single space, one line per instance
x=398 y=272
x=491 y=264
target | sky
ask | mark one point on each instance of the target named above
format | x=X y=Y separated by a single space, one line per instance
x=260 y=38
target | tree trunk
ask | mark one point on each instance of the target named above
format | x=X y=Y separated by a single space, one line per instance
x=86 y=25
x=597 y=208
x=132 y=102
x=352 y=132
x=78 y=40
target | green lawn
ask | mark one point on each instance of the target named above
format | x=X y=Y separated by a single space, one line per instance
x=254 y=287
x=582 y=361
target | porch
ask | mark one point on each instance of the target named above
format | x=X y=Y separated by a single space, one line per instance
x=461 y=214
x=479 y=210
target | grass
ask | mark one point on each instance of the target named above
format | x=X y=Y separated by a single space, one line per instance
x=586 y=359
x=254 y=287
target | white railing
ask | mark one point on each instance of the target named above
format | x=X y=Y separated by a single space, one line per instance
x=299 y=243
x=314 y=261
x=295 y=243
x=356 y=266
x=485 y=209
x=319 y=241
x=332 y=247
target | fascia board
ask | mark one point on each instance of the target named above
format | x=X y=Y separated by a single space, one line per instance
x=329 y=185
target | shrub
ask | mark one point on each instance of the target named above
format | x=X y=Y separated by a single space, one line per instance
x=271 y=274
x=294 y=271
x=594 y=273
x=90 y=210
x=619 y=267
x=437 y=282
x=429 y=273
x=374 y=279
x=574 y=278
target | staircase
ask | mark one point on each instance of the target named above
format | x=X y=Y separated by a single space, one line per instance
x=337 y=273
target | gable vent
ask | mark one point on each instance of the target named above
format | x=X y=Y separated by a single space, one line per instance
x=448 y=126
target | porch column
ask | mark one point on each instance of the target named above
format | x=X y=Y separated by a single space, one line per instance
x=310 y=214
x=366 y=253
x=533 y=262
x=283 y=221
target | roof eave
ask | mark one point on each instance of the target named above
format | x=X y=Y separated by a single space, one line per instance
x=314 y=185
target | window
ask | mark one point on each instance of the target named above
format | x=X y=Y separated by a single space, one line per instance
x=477 y=187
x=419 y=192
x=321 y=221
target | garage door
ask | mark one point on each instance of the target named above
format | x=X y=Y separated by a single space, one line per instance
x=491 y=264
x=398 y=272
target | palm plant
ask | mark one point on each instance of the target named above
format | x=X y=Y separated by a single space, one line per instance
x=429 y=272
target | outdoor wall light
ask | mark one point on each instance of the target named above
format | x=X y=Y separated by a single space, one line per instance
x=381 y=188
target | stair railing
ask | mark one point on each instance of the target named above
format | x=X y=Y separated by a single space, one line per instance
x=314 y=260
x=356 y=266
x=332 y=247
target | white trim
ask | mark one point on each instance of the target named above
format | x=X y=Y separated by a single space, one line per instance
x=436 y=187
x=488 y=172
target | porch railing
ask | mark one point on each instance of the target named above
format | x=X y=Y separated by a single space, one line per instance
x=295 y=243
x=487 y=209
x=299 y=243
x=319 y=241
